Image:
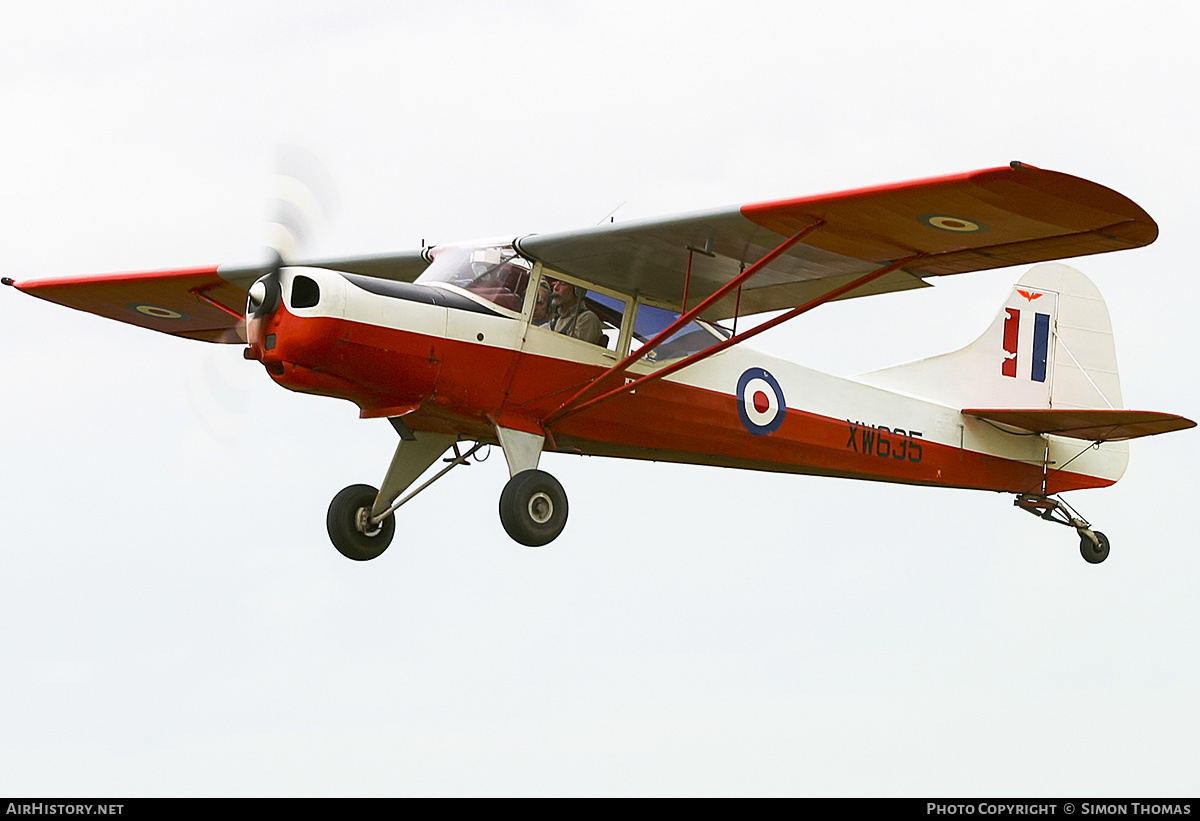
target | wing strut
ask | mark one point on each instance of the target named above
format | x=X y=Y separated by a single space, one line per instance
x=200 y=294
x=684 y=318
x=570 y=408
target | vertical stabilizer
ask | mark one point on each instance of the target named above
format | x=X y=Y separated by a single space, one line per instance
x=1050 y=346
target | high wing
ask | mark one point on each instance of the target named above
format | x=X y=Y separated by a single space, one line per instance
x=405 y=266
x=1100 y=425
x=997 y=217
x=205 y=303
x=993 y=218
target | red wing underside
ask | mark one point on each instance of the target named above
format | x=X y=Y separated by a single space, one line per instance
x=1090 y=425
x=1004 y=216
x=197 y=303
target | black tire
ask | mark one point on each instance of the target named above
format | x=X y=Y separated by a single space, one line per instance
x=343 y=532
x=533 y=508
x=1094 y=554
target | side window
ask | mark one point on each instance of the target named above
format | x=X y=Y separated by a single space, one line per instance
x=688 y=340
x=611 y=312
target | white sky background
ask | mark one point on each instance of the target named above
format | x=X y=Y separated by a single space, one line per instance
x=174 y=620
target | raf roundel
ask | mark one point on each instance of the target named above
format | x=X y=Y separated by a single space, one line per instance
x=953 y=224
x=761 y=405
x=156 y=311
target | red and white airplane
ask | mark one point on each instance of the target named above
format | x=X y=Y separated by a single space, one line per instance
x=606 y=341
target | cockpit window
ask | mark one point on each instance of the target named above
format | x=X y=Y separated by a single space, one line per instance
x=496 y=273
x=689 y=339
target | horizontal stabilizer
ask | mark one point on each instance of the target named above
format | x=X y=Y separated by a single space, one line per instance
x=1100 y=425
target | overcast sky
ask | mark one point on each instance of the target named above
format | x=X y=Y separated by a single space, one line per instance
x=174 y=619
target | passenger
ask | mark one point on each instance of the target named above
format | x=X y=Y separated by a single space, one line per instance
x=572 y=317
x=541 y=304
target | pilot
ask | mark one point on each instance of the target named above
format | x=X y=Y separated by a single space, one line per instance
x=572 y=317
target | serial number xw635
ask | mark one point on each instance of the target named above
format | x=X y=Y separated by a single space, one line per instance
x=884 y=442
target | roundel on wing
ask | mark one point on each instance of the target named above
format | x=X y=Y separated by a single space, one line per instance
x=760 y=402
x=949 y=222
x=155 y=311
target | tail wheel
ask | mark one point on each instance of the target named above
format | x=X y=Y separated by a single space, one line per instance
x=533 y=508
x=1094 y=553
x=350 y=528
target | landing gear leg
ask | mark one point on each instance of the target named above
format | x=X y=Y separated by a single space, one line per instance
x=360 y=519
x=533 y=505
x=1093 y=545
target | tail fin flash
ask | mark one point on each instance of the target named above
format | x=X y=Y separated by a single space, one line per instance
x=1050 y=346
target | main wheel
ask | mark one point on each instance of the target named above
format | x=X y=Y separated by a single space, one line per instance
x=349 y=526
x=533 y=508
x=1094 y=553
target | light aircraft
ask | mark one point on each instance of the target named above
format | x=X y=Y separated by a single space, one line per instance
x=624 y=340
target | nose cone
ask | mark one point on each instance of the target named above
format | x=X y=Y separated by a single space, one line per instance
x=258 y=294
x=264 y=297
